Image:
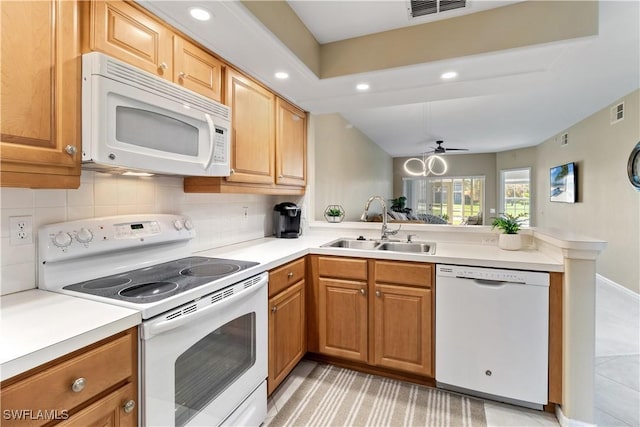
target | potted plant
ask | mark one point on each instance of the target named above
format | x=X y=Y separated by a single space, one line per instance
x=510 y=226
x=334 y=213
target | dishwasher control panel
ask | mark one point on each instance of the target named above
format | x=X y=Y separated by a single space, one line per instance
x=492 y=274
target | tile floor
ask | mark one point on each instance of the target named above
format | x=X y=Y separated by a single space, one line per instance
x=617 y=371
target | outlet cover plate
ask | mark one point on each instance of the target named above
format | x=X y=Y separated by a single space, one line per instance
x=21 y=229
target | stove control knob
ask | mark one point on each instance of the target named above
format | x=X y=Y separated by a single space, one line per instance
x=62 y=239
x=177 y=224
x=84 y=235
x=188 y=224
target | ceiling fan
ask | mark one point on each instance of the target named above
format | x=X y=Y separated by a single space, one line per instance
x=441 y=150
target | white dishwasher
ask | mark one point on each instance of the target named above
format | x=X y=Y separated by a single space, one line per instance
x=492 y=333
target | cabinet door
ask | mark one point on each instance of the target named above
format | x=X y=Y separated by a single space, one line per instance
x=287 y=338
x=196 y=69
x=403 y=328
x=118 y=409
x=40 y=94
x=253 y=136
x=291 y=144
x=343 y=318
x=126 y=33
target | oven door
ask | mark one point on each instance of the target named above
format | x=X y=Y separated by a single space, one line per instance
x=201 y=361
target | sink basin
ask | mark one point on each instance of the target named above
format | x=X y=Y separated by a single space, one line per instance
x=412 y=247
x=353 y=244
x=377 y=245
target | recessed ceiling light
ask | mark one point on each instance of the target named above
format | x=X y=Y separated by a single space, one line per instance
x=199 y=13
x=362 y=86
x=282 y=75
x=449 y=75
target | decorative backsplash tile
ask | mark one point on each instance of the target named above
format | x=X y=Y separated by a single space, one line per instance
x=219 y=219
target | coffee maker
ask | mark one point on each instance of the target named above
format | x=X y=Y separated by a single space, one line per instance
x=286 y=220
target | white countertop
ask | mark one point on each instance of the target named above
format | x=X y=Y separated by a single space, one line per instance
x=39 y=326
x=272 y=252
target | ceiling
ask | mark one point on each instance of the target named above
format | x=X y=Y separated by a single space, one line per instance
x=499 y=101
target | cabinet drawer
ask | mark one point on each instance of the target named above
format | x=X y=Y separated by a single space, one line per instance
x=285 y=276
x=404 y=273
x=51 y=389
x=343 y=268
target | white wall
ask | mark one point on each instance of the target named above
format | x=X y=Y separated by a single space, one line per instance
x=349 y=167
x=218 y=218
x=607 y=207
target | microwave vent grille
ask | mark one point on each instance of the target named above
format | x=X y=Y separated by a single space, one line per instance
x=166 y=89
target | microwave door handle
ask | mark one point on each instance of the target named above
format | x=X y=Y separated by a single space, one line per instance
x=212 y=133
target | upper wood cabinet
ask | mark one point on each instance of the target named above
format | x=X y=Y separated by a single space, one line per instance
x=126 y=32
x=40 y=94
x=252 y=136
x=291 y=144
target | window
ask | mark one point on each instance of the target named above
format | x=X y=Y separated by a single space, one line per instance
x=515 y=190
x=454 y=199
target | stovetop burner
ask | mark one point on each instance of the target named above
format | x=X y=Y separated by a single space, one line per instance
x=157 y=282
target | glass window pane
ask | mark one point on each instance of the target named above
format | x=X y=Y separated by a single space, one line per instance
x=212 y=364
x=516 y=193
x=152 y=130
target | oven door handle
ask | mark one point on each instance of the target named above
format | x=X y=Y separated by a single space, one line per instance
x=155 y=328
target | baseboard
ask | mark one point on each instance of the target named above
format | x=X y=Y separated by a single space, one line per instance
x=600 y=278
x=568 y=422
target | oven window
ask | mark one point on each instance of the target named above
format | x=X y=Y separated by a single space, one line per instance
x=212 y=364
x=147 y=129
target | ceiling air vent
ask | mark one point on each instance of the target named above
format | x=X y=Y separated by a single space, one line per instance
x=429 y=7
x=617 y=113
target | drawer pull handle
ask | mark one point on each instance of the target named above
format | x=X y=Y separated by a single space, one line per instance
x=78 y=385
x=290 y=274
x=129 y=406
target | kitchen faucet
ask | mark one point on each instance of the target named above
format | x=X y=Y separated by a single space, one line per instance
x=385 y=232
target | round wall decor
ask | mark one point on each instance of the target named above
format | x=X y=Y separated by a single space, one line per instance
x=633 y=167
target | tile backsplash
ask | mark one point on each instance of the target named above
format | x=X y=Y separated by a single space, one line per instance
x=219 y=219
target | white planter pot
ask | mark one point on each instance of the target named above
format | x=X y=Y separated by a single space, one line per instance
x=510 y=242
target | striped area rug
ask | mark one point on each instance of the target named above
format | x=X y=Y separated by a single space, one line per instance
x=333 y=396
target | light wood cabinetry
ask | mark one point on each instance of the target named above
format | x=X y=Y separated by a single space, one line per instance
x=40 y=94
x=291 y=144
x=287 y=325
x=126 y=32
x=373 y=311
x=94 y=385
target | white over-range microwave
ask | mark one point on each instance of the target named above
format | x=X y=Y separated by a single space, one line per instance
x=135 y=121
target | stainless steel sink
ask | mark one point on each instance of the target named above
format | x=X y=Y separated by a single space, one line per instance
x=412 y=247
x=427 y=248
x=353 y=244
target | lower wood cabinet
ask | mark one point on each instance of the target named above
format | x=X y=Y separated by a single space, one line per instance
x=287 y=325
x=96 y=385
x=373 y=311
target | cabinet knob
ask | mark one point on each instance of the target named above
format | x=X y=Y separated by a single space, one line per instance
x=231 y=171
x=290 y=274
x=362 y=291
x=129 y=406
x=280 y=176
x=78 y=385
x=162 y=66
x=274 y=309
x=378 y=294
x=70 y=150
x=182 y=75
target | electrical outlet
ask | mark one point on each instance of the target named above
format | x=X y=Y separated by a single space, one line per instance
x=21 y=230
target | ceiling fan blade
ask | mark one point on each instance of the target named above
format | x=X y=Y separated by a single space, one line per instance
x=456 y=149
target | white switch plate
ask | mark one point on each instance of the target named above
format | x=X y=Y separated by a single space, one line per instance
x=21 y=229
